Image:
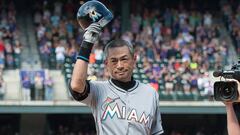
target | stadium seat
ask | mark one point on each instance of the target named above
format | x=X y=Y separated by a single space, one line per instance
x=143 y=76
x=145 y=80
x=180 y=96
x=135 y=71
x=136 y=76
x=163 y=96
x=52 y=61
x=139 y=65
x=67 y=65
x=141 y=71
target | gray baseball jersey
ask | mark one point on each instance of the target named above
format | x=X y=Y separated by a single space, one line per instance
x=120 y=112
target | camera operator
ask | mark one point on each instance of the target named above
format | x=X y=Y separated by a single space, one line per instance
x=232 y=121
x=228 y=92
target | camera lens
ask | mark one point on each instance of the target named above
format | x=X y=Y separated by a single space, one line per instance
x=227 y=92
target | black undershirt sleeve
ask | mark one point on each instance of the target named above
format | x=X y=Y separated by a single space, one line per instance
x=80 y=96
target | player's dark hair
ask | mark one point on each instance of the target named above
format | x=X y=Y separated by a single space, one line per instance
x=118 y=43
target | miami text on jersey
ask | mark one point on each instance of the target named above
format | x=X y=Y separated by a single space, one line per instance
x=122 y=114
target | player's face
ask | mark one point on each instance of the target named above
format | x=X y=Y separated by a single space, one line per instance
x=120 y=63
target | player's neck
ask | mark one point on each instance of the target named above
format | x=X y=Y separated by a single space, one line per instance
x=124 y=85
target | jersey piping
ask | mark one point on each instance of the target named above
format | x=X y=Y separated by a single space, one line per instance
x=122 y=90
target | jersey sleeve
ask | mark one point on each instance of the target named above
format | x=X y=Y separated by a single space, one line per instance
x=156 y=128
x=89 y=96
x=93 y=95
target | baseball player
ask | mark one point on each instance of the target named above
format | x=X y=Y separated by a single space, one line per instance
x=120 y=105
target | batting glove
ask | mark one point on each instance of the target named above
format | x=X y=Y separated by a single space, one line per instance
x=92 y=33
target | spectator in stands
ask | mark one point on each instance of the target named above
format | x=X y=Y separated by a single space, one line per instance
x=2 y=57
x=178 y=82
x=168 y=83
x=2 y=62
x=193 y=83
x=98 y=51
x=186 y=83
x=17 y=52
x=55 y=20
x=71 y=50
x=31 y=76
x=207 y=19
x=9 y=55
x=38 y=85
x=26 y=84
x=116 y=26
x=45 y=51
x=37 y=18
x=60 y=55
x=48 y=85
x=70 y=28
x=105 y=37
x=2 y=88
x=207 y=85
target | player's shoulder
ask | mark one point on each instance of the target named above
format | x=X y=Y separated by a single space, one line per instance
x=98 y=82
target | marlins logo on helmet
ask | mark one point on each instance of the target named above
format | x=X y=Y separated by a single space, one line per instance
x=93 y=11
x=94 y=14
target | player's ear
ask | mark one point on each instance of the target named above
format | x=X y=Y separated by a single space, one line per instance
x=105 y=62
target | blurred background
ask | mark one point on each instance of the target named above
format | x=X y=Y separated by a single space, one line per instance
x=179 y=43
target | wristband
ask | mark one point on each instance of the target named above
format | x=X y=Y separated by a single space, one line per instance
x=85 y=51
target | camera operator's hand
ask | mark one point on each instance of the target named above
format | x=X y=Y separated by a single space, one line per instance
x=92 y=33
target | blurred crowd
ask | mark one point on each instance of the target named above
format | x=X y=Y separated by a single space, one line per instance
x=55 y=32
x=10 y=46
x=231 y=18
x=176 y=47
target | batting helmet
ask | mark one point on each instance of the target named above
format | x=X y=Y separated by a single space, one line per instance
x=93 y=11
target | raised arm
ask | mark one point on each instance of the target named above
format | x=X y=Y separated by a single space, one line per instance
x=79 y=75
